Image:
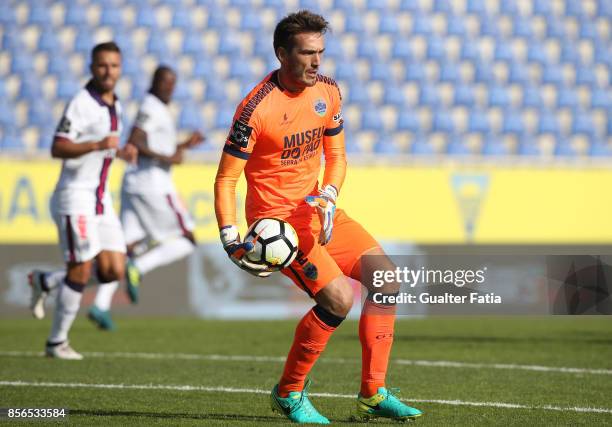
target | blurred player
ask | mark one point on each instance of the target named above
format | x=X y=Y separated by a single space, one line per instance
x=150 y=207
x=87 y=139
x=279 y=133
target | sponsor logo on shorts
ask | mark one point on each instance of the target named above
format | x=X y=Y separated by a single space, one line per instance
x=320 y=107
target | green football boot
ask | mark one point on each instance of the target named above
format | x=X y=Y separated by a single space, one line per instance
x=384 y=404
x=297 y=406
x=132 y=278
x=101 y=318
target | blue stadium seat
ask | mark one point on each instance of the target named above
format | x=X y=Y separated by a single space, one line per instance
x=22 y=63
x=542 y=7
x=489 y=26
x=532 y=97
x=204 y=68
x=410 y=6
x=215 y=91
x=39 y=115
x=494 y=146
x=574 y=8
x=464 y=95
x=564 y=148
x=229 y=44
x=48 y=42
x=367 y=48
x=499 y=96
x=11 y=39
x=443 y=121
x=157 y=45
x=450 y=72
x=444 y=6
x=39 y=15
x=604 y=8
x=456 y=26
x=508 y=7
x=358 y=94
x=528 y=147
x=8 y=14
x=476 y=6
x=521 y=26
x=346 y=71
x=181 y=18
x=469 y=50
x=75 y=15
x=146 y=18
x=478 y=122
x=585 y=75
x=312 y=5
x=421 y=147
x=583 y=123
x=603 y=54
x=385 y=144
x=262 y=47
x=190 y=117
x=380 y=71
x=354 y=23
x=567 y=98
x=503 y=51
x=518 y=74
x=415 y=71
x=458 y=147
x=371 y=119
x=224 y=116
x=241 y=4
x=140 y=87
x=388 y=24
x=84 y=41
x=7 y=113
x=112 y=16
x=377 y=5
x=240 y=68
x=11 y=140
x=58 y=64
x=351 y=145
x=422 y=25
x=536 y=52
x=555 y=27
x=182 y=91
x=192 y=43
x=30 y=89
x=429 y=96
x=588 y=29
x=45 y=137
x=484 y=72
x=569 y=52
x=401 y=50
x=3 y=91
x=333 y=47
x=548 y=123
x=552 y=74
x=408 y=120
x=600 y=148
x=601 y=98
x=436 y=48
x=67 y=87
x=123 y=38
x=513 y=122
x=343 y=5
x=251 y=20
x=394 y=95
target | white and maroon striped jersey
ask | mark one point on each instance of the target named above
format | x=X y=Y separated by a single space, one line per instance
x=82 y=187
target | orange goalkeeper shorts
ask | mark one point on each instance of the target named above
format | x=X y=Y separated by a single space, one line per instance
x=315 y=265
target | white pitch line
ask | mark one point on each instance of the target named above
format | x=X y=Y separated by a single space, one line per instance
x=279 y=359
x=500 y=405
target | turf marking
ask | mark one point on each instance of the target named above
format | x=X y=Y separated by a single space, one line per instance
x=265 y=392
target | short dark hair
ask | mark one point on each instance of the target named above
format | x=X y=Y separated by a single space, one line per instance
x=160 y=72
x=104 y=47
x=300 y=22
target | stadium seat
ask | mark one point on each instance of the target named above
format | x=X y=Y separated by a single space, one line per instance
x=192 y=44
x=380 y=71
x=588 y=29
x=358 y=94
x=470 y=51
x=601 y=98
x=464 y=95
x=604 y=8
x=58 y=65
x=313 y=5
x=499 y=96
x=410 y=6
x=240 y=68
x=75 y=15
x=388 y=24
x=39 y=115
x=146 y=18
x=7 y=113
x=12 y=141
x=429 y=95
x=39 y=15
x=574 y=8
x=521 y=26
x=8 y=14
x=456 y=26
x=458 y=147
x=84 y=41
x=112 y=16
x=585 y=75
x=368 y=48
x=181 y=18
x=528 y=147
x=494 y=146
x=583 y=123
x=421 y=147
x=204 y=68
x=394 y=95
x=518 y=74
x=478 y=122
x=333 y=47
x=542 y=7
x=548 y=123
x=444 y=6
x=555 y=27
x=552 y=74
x=503 y=51
x=532 y=97
x=229 y=44
x=508 y=7
x=477 y=7
x=215 y=91
x=422 y=25
x=67 y=87
x=408 y=120
x=536 y=52
x=354 y=23
x=443 y=121
x=371 y=119
x=386 y=145
x=224 y=116
x=251 y=20
x=489 y=26
x=22 y=63
x=484 y=72
x=346 y=71
x=415 y=71
x=600 y=148
x=190 y=118
x=436 y=48
x=513 y=122
x=157 y=45
x=377 y=5
x=567 y=98
x=563 y=148
x=402 y=50
x=30 y=89
x=11 y=39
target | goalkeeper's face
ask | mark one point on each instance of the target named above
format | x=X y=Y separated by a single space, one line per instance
x=302 y=63
x=106 y=69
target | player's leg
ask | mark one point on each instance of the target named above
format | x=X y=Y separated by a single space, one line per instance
x=42 y=283
x=135 y=236
x=350 y=242
x=110 y=268
x=80 y=243
x=166 y=221
x=316 y=273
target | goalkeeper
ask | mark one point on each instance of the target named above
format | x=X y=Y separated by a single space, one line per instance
x=279 y=133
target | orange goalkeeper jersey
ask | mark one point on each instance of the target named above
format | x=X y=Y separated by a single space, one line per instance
x=281 y=135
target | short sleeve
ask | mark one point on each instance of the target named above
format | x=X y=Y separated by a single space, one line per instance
x=72 y=124
x=243 y=133
x=336 y=122
x=144 y=119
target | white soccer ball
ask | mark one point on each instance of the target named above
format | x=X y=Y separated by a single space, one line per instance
x=275 y=241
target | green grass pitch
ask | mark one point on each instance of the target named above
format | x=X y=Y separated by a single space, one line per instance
x=184 y=371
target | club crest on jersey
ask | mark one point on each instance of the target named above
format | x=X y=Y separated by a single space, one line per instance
x=240 y=134
x=320 y=107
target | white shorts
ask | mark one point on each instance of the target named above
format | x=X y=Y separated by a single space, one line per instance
x=154 y=216
x=83 y=237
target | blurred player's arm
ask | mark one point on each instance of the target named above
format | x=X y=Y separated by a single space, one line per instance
x=230 y=169
x=64 y=148
x=138 y=138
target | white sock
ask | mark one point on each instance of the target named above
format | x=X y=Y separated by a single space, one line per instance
x=162 y=254
x=54 y=278
x=104 y=295
x=66 y=309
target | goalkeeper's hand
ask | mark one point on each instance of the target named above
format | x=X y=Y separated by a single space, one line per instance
x=325 y=203
x=237 y=251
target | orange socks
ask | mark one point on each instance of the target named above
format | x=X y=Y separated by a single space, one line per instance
x=376 y=336
x=311 y=336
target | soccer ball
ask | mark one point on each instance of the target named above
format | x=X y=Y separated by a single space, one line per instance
x=276 y=243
